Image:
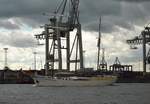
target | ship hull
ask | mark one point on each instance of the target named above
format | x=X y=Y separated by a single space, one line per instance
x=92 y=81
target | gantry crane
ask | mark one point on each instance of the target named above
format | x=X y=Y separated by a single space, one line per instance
x=58 y=31
x=143 y=38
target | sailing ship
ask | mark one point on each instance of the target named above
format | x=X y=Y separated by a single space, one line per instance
x=82 y=77
x=99 y=80
x=58 y=31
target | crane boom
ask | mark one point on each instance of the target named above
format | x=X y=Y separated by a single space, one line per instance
x=73 y=14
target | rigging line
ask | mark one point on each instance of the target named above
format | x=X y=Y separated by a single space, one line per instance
x=76 y=58
x=51 y=46
x=75 y=11
x=73 y=45
x=62 y=13
x=59 y=6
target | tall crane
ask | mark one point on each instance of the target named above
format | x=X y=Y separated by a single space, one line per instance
x=143 y=38
x=58 y=31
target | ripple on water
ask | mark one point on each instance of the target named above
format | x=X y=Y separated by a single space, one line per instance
x=118 y=94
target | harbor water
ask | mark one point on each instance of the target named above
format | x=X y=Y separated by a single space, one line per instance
x=119 y=93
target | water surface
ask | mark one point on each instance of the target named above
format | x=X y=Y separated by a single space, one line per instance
x=134 y=93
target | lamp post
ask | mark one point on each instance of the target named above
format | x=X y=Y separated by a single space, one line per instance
x=5 y=50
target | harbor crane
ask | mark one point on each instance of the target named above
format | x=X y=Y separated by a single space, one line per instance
x=58 y=32
x=143 y=38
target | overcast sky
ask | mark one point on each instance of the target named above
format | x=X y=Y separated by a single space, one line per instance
x=121 y=20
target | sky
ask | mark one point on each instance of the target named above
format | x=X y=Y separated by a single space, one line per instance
x=20 y=20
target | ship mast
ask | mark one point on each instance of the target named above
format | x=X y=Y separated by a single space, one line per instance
x=99 y=44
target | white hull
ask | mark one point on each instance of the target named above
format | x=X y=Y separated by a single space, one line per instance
x=92 y=81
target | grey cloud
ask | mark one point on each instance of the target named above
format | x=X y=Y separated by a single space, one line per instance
x=115 y=13
x=25 y=7
x=126 y=15
x=18 y=39
x=30 y=11
x=22 y=42
x=106 y=26
x=8 y=24
x=91 y=11
x=135 y=1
